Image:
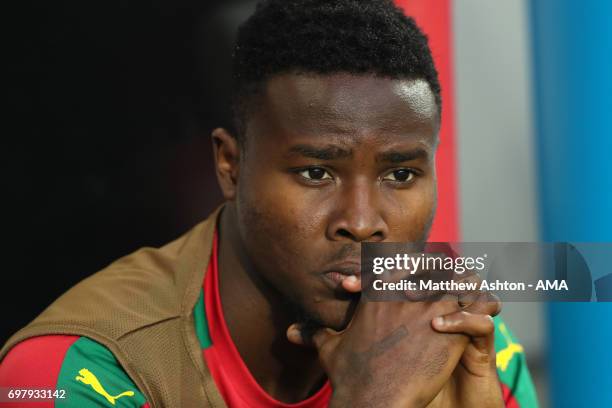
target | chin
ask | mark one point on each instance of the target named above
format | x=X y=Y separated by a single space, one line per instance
x=334 y=314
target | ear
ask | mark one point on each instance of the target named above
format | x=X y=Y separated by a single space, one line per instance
x=227 y=159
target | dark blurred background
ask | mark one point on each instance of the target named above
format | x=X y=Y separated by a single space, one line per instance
x=106 y=145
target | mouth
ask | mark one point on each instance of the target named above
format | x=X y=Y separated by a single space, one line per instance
x=335 y=274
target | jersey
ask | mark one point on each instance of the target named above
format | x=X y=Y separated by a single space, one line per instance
x=92 y=377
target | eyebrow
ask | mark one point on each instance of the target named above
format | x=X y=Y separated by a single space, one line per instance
x=321 y=153
x=404 y=156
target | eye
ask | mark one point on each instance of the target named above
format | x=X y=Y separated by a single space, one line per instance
x=315 y=173
x=400 y=176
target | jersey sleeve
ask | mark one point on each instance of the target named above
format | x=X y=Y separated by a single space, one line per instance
x=518 y=388
x=85 y=373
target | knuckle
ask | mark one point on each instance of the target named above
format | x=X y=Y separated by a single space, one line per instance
x=495 y=304
x=488 y=325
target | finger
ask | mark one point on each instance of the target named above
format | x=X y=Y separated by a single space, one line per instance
x=303 y=336
x=479 y=327
x=476 y=300
x=294 y=335
x=487 y=303
x=352 y=284
x=469 y=283
x=472 y=324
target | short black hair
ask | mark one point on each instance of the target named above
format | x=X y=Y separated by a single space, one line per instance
x=327 y=37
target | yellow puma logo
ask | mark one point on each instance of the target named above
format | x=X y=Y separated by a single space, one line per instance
x=88 y=378
x=505 y=355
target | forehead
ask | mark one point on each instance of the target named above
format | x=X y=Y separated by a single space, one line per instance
x=350 y=105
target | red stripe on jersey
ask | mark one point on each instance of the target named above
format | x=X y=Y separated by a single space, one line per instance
x=231 y=375
x=35 y=363
x=509 y=400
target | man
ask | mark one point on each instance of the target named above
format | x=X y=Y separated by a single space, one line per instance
x=337 y=108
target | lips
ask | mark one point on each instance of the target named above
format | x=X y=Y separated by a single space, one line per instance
x=335 y=274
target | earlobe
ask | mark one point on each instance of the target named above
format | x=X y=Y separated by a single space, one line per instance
x=227 y=159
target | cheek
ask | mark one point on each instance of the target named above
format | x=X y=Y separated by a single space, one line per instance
x=280 y=223
x=411 y=214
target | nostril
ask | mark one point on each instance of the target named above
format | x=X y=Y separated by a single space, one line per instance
x=378 y=235
x=344 y=233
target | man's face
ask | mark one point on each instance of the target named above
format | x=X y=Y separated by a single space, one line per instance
x=332 y=161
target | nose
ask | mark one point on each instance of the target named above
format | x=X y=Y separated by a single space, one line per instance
x=357 y=216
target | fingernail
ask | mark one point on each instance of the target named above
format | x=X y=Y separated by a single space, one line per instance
x=439 y=321
x=352 y=278
x=294 y=333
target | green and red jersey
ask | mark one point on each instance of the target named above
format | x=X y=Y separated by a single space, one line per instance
x=56 y=363
x=92 y=376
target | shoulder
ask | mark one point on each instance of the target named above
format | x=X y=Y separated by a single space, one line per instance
x=87 y=372
x=514 y=375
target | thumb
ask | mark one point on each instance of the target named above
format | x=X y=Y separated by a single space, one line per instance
x=352 y=284
x=309 y=336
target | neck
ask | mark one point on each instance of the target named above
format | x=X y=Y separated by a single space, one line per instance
x=257 y=318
